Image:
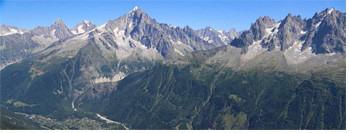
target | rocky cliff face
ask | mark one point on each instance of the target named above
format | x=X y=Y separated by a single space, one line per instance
x=324 y=33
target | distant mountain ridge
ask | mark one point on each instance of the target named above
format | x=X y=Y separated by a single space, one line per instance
x=293 y=31
x=167 y=40
x=148 y=75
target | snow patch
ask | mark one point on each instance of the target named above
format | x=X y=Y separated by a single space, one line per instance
x=223 y=37
x=45 y=41
x=317 y=25
x=80 y=30
x=84 y=37
x=206 y=38
x=12 y=31
x=53 y=33
x=268 y=30
x=303 y=32
x=87 y=22
x=273 y=30
x=330 y=11
x=130 y=25
x=173 y=26
x=74 y=32
x=179 y=52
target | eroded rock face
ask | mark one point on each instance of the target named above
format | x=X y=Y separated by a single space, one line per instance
x=324 y=33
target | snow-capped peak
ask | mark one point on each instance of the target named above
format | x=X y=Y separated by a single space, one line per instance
x=83 y=27
x=9 y=30
x=330 y=11
x=136 y=8
x=87 y=22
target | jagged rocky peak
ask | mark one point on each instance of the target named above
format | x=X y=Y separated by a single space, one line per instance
x=330 y=32
x=266 y=21
x=9 y=30
x=138 y=13
x=325 y=33
x=289 y=32
x=328 y=11
x=291 y=21
x=232 y=31
x=6 y=26
x=259 y=27
x=133 y=19
x=83 y=27
x=59 y=22
x=208 y=28
x=61 y=30
x=57 y=30
x=206 y=31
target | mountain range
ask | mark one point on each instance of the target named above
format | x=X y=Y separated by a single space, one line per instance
x=137 y=73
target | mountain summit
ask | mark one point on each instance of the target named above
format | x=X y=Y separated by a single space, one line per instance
x=293 y=31
x=83 y=27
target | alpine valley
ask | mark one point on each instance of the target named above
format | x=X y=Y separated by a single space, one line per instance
x=136 y=73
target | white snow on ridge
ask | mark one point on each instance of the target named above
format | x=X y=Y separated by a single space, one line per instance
x=74 y=32
x=53 y=33
x=134 y=9
x=330 y=11
x=80 y=30
x=317 y=25
x=173 y=26
x=12 y=31
x=87 y=22
x=268 y=30
x=179 y=52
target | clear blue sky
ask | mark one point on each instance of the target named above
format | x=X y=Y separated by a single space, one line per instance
x=219 y=14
